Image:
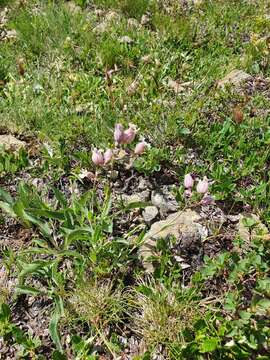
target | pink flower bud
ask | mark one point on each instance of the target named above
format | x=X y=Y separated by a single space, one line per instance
x=188 y=181
x=207 y=200
x=118 y=133
x=129 y=135
x=108 y=156
x=202 y=186
x=97 y=157
x=139 y=148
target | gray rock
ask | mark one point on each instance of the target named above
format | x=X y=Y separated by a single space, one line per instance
x=197 y=2
x=101 y=27
x=145 y=19
x=112 y=15
x=249 y=227
x=138 y=197
x=73 y=7
x=184 y=226
x=164 y=200
x=214 y=216
x=10 y=34
x=184 y=266
x=9 y=142
x=99 y=12
x=149 y=214
x=233 y=218
x=81 y=109
x=146 y=59
x=133 y=23
x=110 y=18
x=235 y=78
x=144 y=184
x=37 y=88
x=126 y=40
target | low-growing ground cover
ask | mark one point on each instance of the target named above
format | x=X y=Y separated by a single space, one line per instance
x=131 y=259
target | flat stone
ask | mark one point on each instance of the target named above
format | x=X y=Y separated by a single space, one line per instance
x=184 y=226
x=235 y=78
x=9 y=142
x=150 y=213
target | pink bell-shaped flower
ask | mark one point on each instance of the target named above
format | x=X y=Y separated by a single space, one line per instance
x=139 y=148
x=97 y=157
x=118 y=133
x=108 y=156
x=129 y=134
x=202 y=186
x=188 y=181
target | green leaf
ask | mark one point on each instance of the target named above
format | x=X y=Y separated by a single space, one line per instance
x=27 y=290
x=245 y=315
x=136 y=205
x=54 y=331
x=263 y=304
x=60 y=197
x=209 y=345
x=5 y=312
x=43 y=226
x=57 y=355
x=18 y=208
x=53 y=326
x=50 y=214
x=184 y=131
x=5 y=197
x=33 y=268
x=77 y=234
x=249 y=222
x=107 y=204
x=8 y=209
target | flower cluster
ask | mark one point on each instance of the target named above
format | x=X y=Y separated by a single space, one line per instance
x=201 y=188
x=121 y=137
x=101 y=159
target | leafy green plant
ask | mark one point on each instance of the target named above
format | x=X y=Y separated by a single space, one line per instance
x=164 y=315
x=10 y=162
x=29 y=345
x=130 y=8
x=152 y=161
x=80 y=247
